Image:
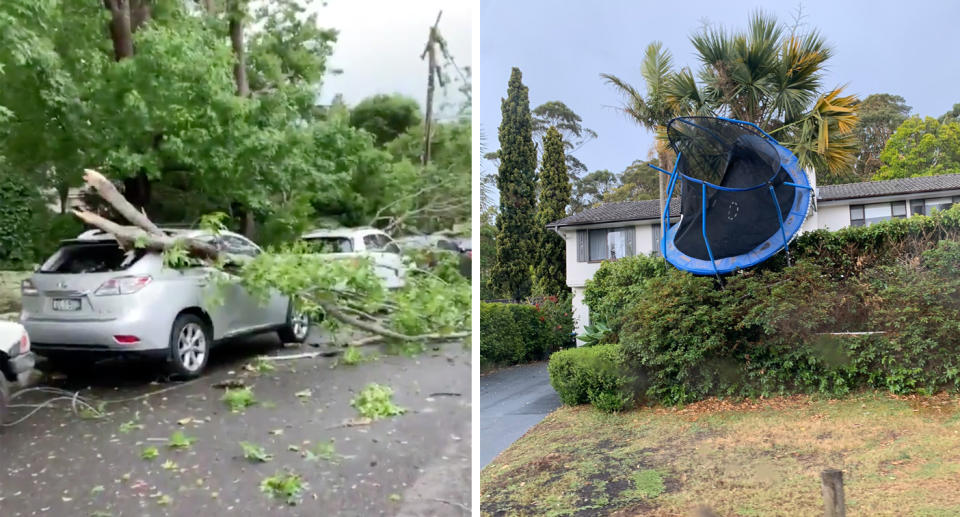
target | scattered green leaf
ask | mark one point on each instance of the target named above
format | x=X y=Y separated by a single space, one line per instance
x=149 y=453
x=178 y=440
x=254 y=452
x=288 y=487
x=239 y=399
x=376 y=401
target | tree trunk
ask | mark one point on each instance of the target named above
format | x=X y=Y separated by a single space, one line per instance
x=121 y=30
x=236 y=41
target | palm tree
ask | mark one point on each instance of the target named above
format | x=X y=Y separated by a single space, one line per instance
x=766 y=75
x=656 y=108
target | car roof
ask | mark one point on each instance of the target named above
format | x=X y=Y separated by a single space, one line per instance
x=341 y=232
x=100 y=235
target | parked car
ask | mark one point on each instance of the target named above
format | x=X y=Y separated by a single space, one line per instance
x=363 y=242
x=92 y=299
x=442 y=241
x=16 y=360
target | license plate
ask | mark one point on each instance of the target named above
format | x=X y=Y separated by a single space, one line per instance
x=66 y=304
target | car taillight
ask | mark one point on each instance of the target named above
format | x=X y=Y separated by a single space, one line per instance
x=28 y=289
x=122 y=285
x=126 y=340
x=24 y=343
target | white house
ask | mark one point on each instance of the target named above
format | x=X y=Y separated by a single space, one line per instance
x=614 y=230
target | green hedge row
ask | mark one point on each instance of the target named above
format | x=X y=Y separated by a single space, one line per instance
x=594 y=374
x=779 y=330
x=513 y=333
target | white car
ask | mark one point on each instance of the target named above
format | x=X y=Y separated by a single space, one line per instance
x=15 y=359
x=364 y=242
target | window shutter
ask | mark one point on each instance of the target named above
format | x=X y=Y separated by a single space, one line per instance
x=630 y=239
x=581 y=245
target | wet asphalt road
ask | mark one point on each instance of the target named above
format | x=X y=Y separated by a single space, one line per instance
x=511 y=402
x=56 y=464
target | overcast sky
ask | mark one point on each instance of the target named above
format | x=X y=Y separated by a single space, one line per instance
x=380 y=44
x=904 y=48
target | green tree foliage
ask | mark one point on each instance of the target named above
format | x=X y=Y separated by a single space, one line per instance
x=439 y=196
x=385 y=116
x=516 y=182
x=951 y=116
x=590 y=189
x=570 y=125
x=637 y=182
x=880 y=115
x=768 y=74
x=168 y=120
x=921 y=147
x=550 y=272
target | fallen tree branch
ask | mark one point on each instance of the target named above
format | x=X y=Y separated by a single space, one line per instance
x=111 y=195
x=377 y=340
x=147 y=235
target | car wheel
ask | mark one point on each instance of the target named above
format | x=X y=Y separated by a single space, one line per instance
x=189 y=345
x=297 y=327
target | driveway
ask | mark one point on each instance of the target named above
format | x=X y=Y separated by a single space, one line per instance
x=511 y=402
x=56 y=463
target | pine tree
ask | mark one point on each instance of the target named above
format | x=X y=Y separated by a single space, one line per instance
x=549 y=275
x=516 y=181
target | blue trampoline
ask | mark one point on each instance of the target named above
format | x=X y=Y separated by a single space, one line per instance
x=743 y=196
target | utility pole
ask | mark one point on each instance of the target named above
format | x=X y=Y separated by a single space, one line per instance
x=431 y=54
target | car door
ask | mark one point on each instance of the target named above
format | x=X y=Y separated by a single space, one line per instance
x=251 y=311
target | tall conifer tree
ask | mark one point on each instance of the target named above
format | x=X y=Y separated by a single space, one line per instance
x=516 y=179
x=550 y=269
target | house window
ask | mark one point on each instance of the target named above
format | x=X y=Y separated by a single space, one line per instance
x=856 y=215
x=610 y=243
x=899 y=209
x=916 y=207
x=656 y=240
x=943 y=203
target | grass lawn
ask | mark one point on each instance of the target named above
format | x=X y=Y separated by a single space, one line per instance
x=900 y=456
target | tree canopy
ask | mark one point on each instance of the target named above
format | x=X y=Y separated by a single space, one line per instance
x=159 y=106
x=768 y=74
x=921 y=147
x=385 y=116
x=880 y=115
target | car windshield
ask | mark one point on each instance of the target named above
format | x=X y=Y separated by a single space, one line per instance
x=91 y=258
x=330 y=244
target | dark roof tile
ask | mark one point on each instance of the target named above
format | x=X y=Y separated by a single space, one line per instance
x=890 y=187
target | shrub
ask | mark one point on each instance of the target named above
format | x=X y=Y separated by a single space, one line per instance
x=513 y=333
x=592 y=374
x=788 y=331
x=617 y=285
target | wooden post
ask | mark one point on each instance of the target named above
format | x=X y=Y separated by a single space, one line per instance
x=832 y=487
x=431 y=53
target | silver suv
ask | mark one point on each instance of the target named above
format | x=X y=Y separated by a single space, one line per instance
x=93 y=298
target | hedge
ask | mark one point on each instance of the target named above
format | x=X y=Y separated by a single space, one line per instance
x=513 y=333
x=594 y=374
x=778 y=330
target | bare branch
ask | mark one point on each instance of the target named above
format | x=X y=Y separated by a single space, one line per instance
x=111 y=195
